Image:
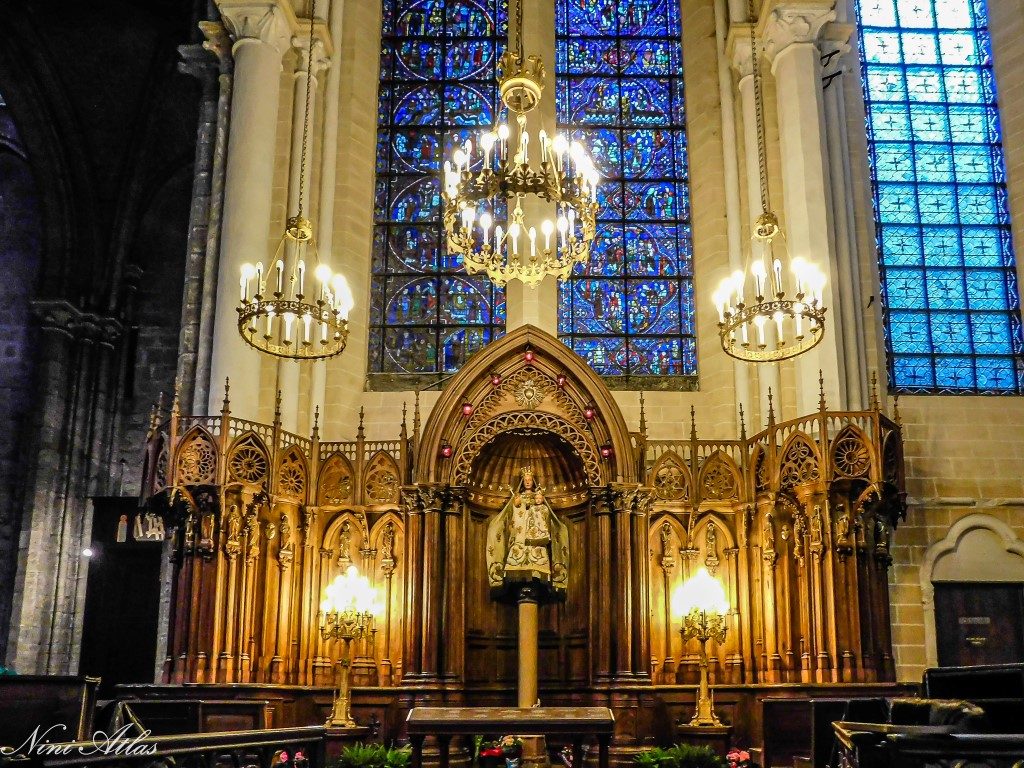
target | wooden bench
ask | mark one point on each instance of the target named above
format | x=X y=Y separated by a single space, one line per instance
x=163 y=717
x=574 y=723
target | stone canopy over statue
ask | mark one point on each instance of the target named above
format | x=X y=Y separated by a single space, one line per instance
x=527 y=545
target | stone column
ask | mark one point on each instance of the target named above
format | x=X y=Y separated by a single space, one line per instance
x=527 y=683
x=790 y=33
x=524 y=305
x=261 y=31
x=742 y=62
x=204 y=61
x=311 y=53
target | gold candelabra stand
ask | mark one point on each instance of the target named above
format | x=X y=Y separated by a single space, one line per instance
x=346 y=614
x=701 y=602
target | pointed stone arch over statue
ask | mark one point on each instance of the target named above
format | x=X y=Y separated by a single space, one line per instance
x=552 y=391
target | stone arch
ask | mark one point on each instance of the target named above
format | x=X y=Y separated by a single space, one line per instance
x=551 y=361
x=719 y=478
x=196 y=459
x=671 y=479
x=336 y=481
x=977 y=547
x=381 y=480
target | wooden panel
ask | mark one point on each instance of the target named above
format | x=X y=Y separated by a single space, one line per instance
x=979 y=623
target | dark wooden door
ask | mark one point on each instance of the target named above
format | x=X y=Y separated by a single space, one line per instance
x=979 y=623
x=122 y=601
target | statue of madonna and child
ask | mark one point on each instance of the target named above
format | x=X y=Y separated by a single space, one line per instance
x=527 y=545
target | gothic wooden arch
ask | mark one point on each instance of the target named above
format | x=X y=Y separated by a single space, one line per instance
x=502 y=360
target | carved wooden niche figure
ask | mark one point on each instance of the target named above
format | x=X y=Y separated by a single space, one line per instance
x=206 y=526
x=285 y=547
x=252 y=537
x=768 y=551
x=711 y=560
x=233 y=539
x=345 y=544
x=387 y=548
x=668 y=562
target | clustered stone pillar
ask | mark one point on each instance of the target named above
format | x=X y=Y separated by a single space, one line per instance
x=262 y=32
x=790 y=34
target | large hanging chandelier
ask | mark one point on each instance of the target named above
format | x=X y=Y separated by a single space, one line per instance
x=486 y=185
x=284 y=311
x=774 y=326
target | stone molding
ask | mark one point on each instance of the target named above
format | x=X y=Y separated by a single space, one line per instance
x=63 y=317
x=323 y=47
x=271 y=22
x=793 y=24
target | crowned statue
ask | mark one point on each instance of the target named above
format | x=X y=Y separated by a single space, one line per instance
x=527 y=545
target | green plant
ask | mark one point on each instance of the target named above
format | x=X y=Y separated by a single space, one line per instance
x=680 y=756
x=361 y=755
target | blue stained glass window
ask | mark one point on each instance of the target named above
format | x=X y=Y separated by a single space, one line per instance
x=437 y=82
x=620 y=91
x=947 y=262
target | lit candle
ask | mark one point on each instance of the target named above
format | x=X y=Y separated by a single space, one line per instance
x=485 y=225
x=759 y=321
x=498 y=232
x=559 y=147
x=760 y=273
x=487 y=143
x=543 y=136
x=778 y=317
x=533 y=242
x=289 y=318
x=323 y=332
x=302 y=276
x=247 y=273
x=798 y=316
x=306 y=320
x=746 y=339
x=503 y=140
x=562 y=225
x=280 y=277
x=777 y=269
x=323 y=276
x=737 y=285
x=572 y=222
x=513 y=231
x=524 y=146
x=259 y=278
x=270 y=324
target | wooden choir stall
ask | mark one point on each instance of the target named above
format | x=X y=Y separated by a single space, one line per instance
x=795 y=521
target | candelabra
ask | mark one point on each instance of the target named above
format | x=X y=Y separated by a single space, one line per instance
x=347 y=614
x=701 y=603
x=487 y=184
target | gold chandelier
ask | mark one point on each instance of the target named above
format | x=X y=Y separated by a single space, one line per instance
x=283 y=311
x=774 y=327
x=487 y=184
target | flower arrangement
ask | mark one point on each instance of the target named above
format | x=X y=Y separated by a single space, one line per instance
x=510 y=745
x=501 y=753
x=738 y=758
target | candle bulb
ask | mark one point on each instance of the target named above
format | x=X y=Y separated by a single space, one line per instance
x=547 y=228
x=572 y=222
x=513 y=232
x=533 y=242
x=280 y=277
x=323 y=276
x=270 y=324
x=259 y=278
x=559 y=147
x=777 y=269
x=759 y=321
x=498 y=232
x=798 y=316
x=746 y=339
x=485 y=225
x=562 y=225
x=543 y=136
x=503 y=140
x=778 y=317
x=301 y=268
x=323 y=332
x=289 y=318
x=487 y=142
x=306 y=320
x=760 y=273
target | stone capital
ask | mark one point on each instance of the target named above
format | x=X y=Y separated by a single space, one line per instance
x=217 y=42
x=792 y=22
x=738 y=48
x=65 y=318
x=271 y=22
x=320 y=58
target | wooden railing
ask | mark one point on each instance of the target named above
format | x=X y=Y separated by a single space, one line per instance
x=275 y=748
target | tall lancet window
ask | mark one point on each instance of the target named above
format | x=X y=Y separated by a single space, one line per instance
x=437 y=85
x=943 y=225
x=620 y=89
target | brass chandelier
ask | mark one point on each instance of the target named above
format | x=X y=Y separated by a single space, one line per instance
x=283 y=310
x=774 y=326
x=485 y=186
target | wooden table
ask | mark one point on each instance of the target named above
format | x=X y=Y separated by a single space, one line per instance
x=576 y=723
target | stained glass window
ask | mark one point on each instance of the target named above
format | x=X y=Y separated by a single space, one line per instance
x=620 y=90
x=943 y=225
x=437 y=85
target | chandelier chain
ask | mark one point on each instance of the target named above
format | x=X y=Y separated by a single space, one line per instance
x=762 y=154
x=519 y=28
x=308 y=107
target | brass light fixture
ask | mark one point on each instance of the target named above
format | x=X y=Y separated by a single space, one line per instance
x=347 y=614
x=484 y=188
x=283 y=309
x=774 y=326
x=701 y=603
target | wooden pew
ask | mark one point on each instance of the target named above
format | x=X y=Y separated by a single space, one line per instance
x=997 y=688
x=163 y=717
x=65 y=704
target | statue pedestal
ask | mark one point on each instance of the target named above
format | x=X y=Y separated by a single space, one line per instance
x=527 y=648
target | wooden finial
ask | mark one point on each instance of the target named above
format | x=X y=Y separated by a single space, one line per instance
x=416 y=416
x=361 y=433
x=227 y=388
x=176 y=402
x=771 y=409
x=152 y=421
x=821 y=391
x=693 y=423
x=896 y=411
x=159 y=408
x=643 y=417
x=743 y=425
x=316 y=421
x=277 y=406
x=874 y=391
x=404 y=434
